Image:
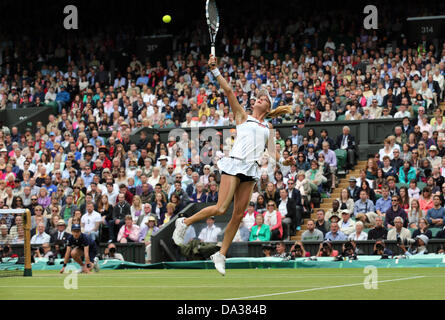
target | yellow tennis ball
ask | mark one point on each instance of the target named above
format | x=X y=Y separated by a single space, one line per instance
x=167 y=19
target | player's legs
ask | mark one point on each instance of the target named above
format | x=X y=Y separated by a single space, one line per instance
x=227 y=189
x=242 y=197
x=77 y=255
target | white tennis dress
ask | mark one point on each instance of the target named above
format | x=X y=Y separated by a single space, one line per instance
x=251 y=140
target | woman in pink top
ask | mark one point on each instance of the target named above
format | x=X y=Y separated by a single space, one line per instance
x=129 y=232
x=272 y=217
x=426 y=200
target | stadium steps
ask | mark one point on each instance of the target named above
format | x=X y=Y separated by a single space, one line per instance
x=327 y=202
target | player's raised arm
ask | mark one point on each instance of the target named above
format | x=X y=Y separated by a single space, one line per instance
x=238 y=111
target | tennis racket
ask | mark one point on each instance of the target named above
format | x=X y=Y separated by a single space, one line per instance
x=213 y=23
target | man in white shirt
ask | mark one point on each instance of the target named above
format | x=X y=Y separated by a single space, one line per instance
x=403 y=112
x=41 y=236
x=210 y=233
x=111 y=193
x=346 y=225
x=189 y=123
x=90 y=222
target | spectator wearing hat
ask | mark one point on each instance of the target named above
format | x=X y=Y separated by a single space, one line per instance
x=148 y=230
x=249 y=216
x=295 y=137
x=433 y=157
x=353 y=189
x=60 y=234
x=346 y=224
x=419 y=249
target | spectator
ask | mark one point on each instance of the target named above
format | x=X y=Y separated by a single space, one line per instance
x=335 y=234
x=358 y=235
x=110 y=253
x=436 y=215
x=129 y=232
x=90 y=222
x=148 y=230
x=398 y=231
x=384 y=203
x=120 y=211
x=422 y=229
x=426 y=201
x=288 y=209
x=211 y=232
x=272 y=218
x=60 y=234
x=419 y=249
x=250 y=216
x=326 y=250
x=260 y=231
x=364 y=205
x=321 y=223
x=5 y=237
x=395 y=211
x=312 y=234
x=346 y=142
x=346 y=225
x=41 y=236
x=379 y=231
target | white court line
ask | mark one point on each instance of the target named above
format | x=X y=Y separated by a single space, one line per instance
x=321 y=288
x=157 y=287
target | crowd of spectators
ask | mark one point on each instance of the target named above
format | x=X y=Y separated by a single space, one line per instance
x=124 y=191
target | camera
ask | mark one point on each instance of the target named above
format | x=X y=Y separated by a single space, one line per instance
x=112 y=250
x=349 y=246
x=379 y=247
x=51 y=260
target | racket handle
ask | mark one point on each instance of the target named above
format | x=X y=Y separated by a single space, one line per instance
x=213 y=51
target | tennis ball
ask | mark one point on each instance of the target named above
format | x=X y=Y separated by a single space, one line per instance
x=167 y=19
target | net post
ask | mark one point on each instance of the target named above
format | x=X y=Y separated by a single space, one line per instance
x=27 y=244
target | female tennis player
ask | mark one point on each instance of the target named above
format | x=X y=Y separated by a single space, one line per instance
x=239 y=171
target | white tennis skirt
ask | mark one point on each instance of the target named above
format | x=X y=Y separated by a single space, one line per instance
x=236 y=166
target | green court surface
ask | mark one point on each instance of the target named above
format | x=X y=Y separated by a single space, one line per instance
x=256 y=284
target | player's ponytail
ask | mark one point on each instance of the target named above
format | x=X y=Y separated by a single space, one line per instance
x=279 y=111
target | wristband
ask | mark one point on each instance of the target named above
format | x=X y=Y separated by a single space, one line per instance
x=64 y=265
x=216 y=72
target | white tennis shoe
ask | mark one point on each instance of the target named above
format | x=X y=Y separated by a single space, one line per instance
x=220 y=263
x=180 y=230
x=96 y=267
